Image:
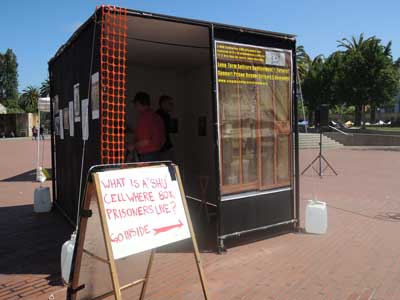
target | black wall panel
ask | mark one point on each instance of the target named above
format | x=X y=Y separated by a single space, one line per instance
x=257 y=211
x=257 y=39
x=70 y=67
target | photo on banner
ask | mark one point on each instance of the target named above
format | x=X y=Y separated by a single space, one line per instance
x=77 y=108
x=66 y=118
x=57 y=125
x=95 y=95
x=55 y=105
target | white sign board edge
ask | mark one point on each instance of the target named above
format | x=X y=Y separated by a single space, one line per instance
x=143 y=209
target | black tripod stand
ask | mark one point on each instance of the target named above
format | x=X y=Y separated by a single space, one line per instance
x=320 y=158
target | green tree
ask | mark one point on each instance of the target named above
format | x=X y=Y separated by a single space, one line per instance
x=367 y=74
x=8 y=76
x=45 y=88
x=29 y=99
x=312 y=86
x=13 y=106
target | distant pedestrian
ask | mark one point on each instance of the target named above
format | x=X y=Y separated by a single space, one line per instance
x=34 y=133
x=41 y=131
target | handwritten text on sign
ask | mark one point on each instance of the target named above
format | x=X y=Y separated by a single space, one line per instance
x=143 y=209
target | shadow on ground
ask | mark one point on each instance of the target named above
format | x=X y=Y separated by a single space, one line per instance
x=389 y=216
x=31 y=243
x=206 y=235
x=26 y=176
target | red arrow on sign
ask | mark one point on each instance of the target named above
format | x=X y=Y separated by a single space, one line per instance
x=167 y=228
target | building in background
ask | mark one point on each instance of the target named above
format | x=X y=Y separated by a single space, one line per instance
x=17 y=125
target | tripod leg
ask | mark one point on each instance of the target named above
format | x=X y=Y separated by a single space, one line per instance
x=329 y=165
x=320 y=165
x=310 y=165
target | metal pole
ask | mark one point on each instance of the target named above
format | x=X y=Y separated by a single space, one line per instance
x=300 y=93
x=215 y=119
x=38 y=147
x=296 y=140
x=320 y=152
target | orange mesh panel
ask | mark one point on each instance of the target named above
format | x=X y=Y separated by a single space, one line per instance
x=113 y=55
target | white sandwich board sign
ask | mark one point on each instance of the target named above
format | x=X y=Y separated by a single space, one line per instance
x=143 y=209
x=128 y=211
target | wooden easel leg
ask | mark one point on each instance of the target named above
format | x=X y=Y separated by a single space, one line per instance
x=146 y=279
x=199 y=266
x=80 y=242
x=195 y=247
x=106 y=234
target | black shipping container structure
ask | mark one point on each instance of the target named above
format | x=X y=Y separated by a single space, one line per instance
x=235 y=135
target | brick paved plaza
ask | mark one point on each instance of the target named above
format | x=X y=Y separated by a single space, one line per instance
x=359 y=257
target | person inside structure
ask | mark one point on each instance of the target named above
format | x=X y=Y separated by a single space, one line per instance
x=166 y=106
x=149 y=134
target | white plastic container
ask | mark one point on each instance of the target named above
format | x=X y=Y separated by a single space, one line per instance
x=67 y=252
x=40 y=177
x=316 y=217
x=42 y=201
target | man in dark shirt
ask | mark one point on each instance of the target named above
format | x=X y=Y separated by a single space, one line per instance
x=166 y=106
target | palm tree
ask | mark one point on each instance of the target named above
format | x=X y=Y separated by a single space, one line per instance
x=355 y=44
x=45 y=88
x=303 y=62
x=29 y=98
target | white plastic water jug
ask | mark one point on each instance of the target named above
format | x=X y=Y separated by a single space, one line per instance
x=316 y=217
x=67 y=252
x=42 y=201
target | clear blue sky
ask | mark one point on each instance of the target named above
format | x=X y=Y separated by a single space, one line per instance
x=35 y=29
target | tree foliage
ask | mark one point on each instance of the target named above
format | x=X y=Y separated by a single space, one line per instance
x=12 y=106
x=45 y=88
x=29 y=99
x=362 y=74
x=303 y=62
x=367 y=74
x=8 y=76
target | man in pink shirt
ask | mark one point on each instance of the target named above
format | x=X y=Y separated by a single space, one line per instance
x=149 y=132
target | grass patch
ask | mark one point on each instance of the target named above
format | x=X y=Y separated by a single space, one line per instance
x=383 y=128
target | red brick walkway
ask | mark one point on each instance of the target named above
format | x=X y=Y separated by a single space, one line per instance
x=358 y=259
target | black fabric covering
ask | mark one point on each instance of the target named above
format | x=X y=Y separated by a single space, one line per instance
x=257 y=39
x=253 y=212
x=70 y=67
